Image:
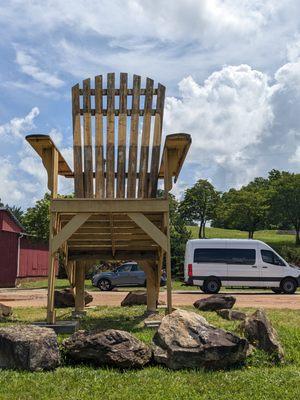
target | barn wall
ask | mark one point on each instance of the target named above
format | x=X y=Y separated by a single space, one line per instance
x=8 y=258
x=8 y=224
x=33 y=259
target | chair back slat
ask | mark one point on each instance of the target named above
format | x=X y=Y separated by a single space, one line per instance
x=87 y=136
x=134 y=130
x=122 y=136
x=160 y=100
x=77 y=148
x=144 y=151
x=110 y=144
x=99 y=158
x=120 y=114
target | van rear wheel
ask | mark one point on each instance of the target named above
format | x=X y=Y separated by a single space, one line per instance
x=288 y=286
x=211 y=286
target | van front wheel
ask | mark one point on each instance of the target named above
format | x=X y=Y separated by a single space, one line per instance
x=211 y=286
x=288 y=286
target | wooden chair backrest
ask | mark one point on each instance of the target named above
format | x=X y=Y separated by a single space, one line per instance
x=111 y=118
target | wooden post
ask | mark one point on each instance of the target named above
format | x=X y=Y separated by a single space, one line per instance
x=51 y=275
x=79 y=287
x=151 y=277
x=168 y=269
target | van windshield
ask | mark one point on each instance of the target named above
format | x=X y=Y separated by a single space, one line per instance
x=225 y=256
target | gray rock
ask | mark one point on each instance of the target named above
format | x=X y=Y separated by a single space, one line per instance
x=28 y=347
x=111 y=347
x=260 y=332
x=136 y=298
x=186 y=340
x=232 y=315
x=215 y=302
x=65 y=298
x=5 y=311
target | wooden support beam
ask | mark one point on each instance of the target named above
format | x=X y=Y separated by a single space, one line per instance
x=75 y=206
x=106 y=255
x=150 y=269
x=51 y=274
x=168 y=265
x=70 y=228
x=79 y=286
x=157 y=235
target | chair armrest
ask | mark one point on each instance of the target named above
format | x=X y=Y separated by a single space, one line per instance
x=176 y=146
x=42 y=144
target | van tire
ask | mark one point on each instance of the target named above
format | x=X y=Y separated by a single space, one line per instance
x=211 y=286
x=288 y=286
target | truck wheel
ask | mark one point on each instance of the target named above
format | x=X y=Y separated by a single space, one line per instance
x=211 y=286
x=288 y=286
x=104 y=285
x=276 y=290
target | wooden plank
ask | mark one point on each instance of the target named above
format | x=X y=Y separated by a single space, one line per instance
x=110 y=146
x=134 y=127
x=122 y=137
x=143 y=183
x=160 y=101
x=99 y=158
x=156 y=234
x=117 y=112
x=94 y=254
x=109 y=205
x=77 y=149
x=117 y=92
x=87 y=135
x=68 y=230
x=106 y=217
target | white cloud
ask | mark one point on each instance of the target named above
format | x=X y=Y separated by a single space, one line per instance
x=17 y=126
x=29 y=67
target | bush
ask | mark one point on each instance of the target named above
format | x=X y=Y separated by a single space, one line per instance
x=290 y=254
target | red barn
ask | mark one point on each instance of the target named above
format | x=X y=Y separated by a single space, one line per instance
x=20 y=257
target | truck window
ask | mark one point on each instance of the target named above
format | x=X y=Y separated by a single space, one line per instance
x=270 y=257
x=215 y=256
x=225 y=256
x=241 y=256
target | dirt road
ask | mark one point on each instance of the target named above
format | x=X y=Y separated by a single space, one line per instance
x=38 y=298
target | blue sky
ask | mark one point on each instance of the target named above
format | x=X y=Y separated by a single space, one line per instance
x=231 y=67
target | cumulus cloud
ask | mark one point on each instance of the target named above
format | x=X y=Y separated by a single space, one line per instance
x=17 y=126
x=225 y=115
x=29 y=67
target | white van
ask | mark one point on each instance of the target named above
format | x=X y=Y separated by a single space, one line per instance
x=212 y=263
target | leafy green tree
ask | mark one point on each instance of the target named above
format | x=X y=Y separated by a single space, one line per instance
x=179 y=234
x=36 y=219
x=17 y=212
x=199 y=204
x=285 y=201
x=245 y=209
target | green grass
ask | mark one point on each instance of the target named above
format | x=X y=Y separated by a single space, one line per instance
x=258 y=379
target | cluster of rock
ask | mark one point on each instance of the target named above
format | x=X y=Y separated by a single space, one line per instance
x=136 y=298
x=183 y=340
x=65 y=298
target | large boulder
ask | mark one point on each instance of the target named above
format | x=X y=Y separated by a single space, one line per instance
x=111 y=347
x=28 y=347
x=259 y=331
x=215 y=302
x=136 y=298
x=65 y=298
x=186 y=340
x=232 y=315
x=5 y=311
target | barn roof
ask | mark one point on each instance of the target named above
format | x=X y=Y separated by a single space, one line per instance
x=12 y=216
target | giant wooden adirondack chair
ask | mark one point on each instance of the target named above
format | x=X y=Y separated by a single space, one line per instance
x=115 y=213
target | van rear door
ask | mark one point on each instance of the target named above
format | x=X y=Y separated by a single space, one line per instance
x=209 y=260
x=243 y=269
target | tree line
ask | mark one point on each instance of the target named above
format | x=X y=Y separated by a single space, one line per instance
x=265 y=203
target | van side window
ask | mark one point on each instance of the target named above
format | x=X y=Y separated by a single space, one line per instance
x=241 y=256
x=215 y=256
x=225 y=256
x=270 y=257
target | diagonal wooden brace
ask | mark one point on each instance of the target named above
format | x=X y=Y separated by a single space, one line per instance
x=68 y=230
x=152 y=230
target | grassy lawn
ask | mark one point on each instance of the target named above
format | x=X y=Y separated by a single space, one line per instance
x=258 y=379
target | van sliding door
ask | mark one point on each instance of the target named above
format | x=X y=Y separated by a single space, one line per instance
x=242 y=267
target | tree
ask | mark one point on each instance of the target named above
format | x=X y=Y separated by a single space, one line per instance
x=36 y=219
x=245 y=209
x=179 y=234
x=285 y=201
x=17 y=212
x=199 y=204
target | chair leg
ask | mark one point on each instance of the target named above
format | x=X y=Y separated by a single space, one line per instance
x=79 y=287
